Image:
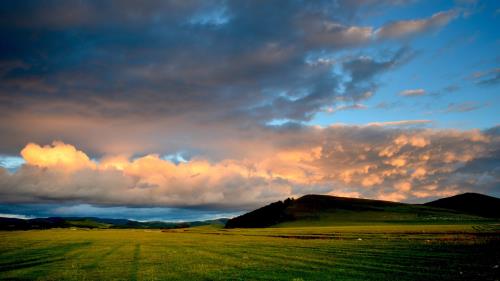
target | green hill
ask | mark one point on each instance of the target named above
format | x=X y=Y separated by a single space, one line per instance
x=323 y=210
x=470 y=203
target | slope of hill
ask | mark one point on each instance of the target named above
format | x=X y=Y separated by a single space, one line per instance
x=91 y=222
x=324 y=210
x=470 y=203
x=271 y=214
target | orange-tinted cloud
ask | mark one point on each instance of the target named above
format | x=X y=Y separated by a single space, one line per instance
x=373 y=162
x=59 y=155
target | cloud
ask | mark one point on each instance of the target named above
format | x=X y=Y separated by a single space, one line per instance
x=125 y=86
x=62 y=173
x=369 y=161
x=151 y=71
x=362 y=72
x=487 y=77
x=37 y=210
x=412 y=92
x=394 y=196
x=15 y=216
x=321 y=32
x=451 y=88
x=356 y=106
x=400 y=123
x=406 y=28
x=59 y=155
x=463 y=107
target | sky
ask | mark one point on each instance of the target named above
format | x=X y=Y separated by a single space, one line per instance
x=186 y=110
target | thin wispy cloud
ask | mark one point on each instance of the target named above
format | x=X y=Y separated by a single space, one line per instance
x=405 y=28
x=400 y=123
x=464 y=107
x=487 y=77
x=412 y=92
x=356 y=106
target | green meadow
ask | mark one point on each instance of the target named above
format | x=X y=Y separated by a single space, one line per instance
x=356 y=252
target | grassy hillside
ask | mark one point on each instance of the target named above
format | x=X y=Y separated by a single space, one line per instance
x=323 y=210
x=470 y=203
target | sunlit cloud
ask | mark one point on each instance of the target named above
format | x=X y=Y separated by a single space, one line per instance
x=356 y=106
x=59 y=155
x=400 y=123
x=411 y=27
x=412 y=92
x=366 y=161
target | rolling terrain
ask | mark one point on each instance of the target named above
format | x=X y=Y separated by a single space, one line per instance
x=324 y=210
x=311 y=238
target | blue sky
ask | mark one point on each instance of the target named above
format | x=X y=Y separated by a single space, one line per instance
x=170 y=110
x=444 y=65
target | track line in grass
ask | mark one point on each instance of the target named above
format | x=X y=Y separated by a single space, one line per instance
x=135 y=262
x=263 y=264
x=100 y=258
x=20 y=266
x=9 y=248
x=28 y=263
x=267 y=256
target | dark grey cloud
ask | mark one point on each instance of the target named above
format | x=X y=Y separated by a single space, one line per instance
x=364 y=69
x=147 y=69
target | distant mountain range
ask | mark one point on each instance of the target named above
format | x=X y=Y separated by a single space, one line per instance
x=91 y=222
x=323 y=210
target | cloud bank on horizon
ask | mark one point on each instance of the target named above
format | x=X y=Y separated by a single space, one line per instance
x=220 y=104
x=394 y=164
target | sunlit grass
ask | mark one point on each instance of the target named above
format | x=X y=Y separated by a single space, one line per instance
x=374 y=252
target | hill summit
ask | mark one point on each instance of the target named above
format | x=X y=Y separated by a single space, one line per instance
x=470 y=203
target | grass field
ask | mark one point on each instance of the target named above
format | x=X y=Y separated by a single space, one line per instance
x=376 y=252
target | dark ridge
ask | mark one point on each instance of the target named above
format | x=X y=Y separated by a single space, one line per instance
x=41 y=223
x=470 y=203
x=271 y=214
x=306 y=206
